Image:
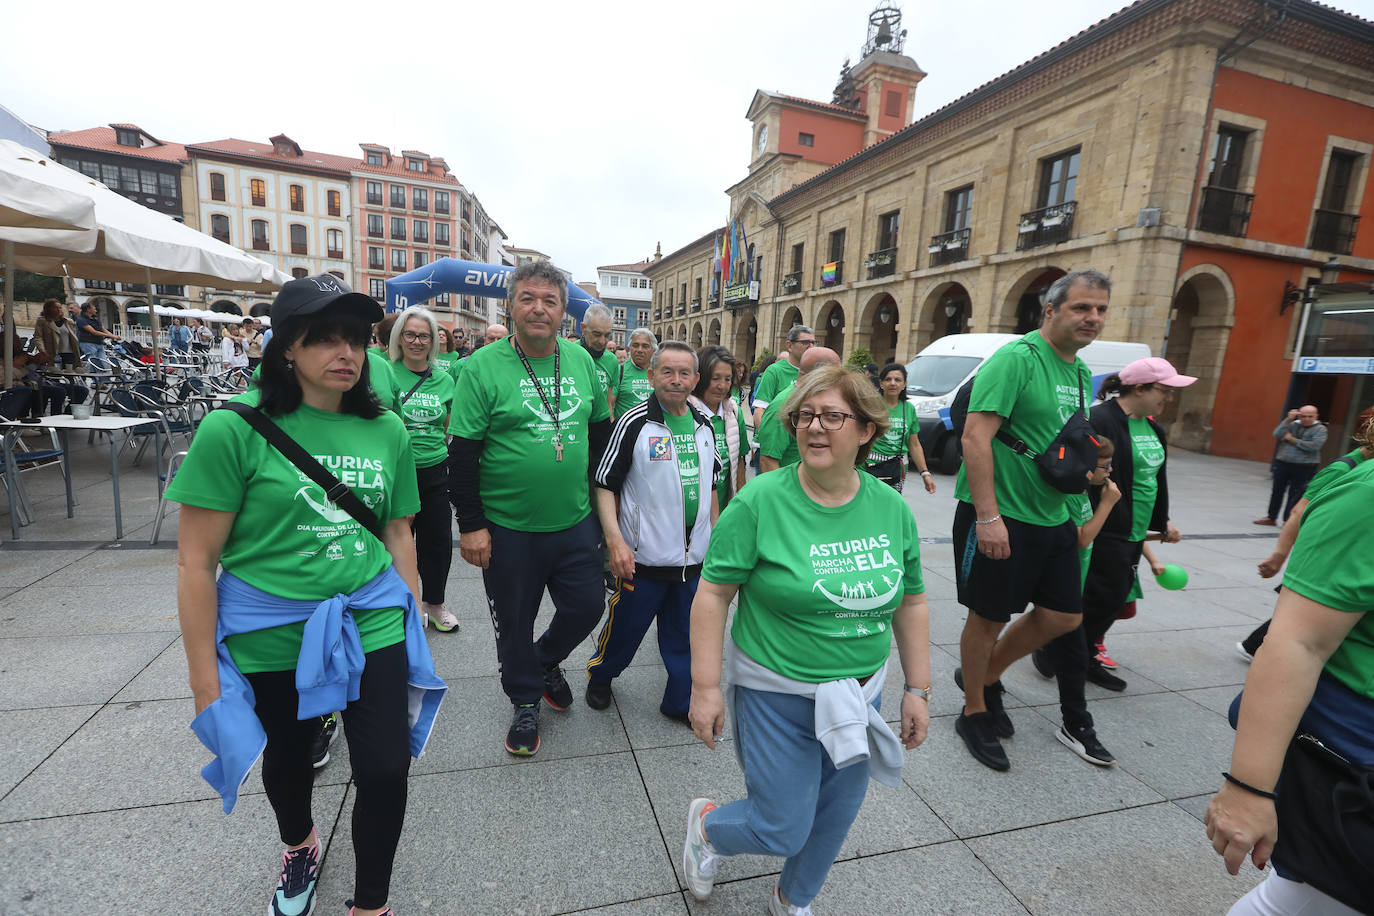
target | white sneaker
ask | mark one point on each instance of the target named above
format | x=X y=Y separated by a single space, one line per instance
x=1240 y=648
x=699 y=860
x=777 y=908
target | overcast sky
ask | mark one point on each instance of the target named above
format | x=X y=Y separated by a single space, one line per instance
x=590 y=131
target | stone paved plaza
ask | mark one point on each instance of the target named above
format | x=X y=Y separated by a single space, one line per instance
x=102 y=808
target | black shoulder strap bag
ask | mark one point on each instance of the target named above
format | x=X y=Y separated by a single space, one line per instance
x=335 y=490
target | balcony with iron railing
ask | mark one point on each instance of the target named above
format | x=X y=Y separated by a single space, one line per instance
x=166 y=289
x=1225 y=211
x=374 y=200
x=681 y=309
x=881 y=263
x=696 y=304
x=1334 y=231
x=791 y=283
x=835 y=277
x=1046 y=226
x=948 y=247
x=107 y=285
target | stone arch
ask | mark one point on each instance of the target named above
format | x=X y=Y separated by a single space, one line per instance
x=1024 y=305
x=746 y=340
x=948 y=309
x=681 y=332
x=830 y=327
x=713 y=332
x=1200 y=321
x=697 y=334
x=106 y=309
x=226 y=306
x=877 y=327
x=260 y=309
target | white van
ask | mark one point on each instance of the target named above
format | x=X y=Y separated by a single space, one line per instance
x=938 y=371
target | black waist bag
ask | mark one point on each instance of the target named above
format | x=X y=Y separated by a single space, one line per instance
x=1070 y=459
x=1325 y=809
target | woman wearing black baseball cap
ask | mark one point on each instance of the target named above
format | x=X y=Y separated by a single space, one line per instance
x=317 y=606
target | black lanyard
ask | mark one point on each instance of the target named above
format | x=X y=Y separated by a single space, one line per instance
x=550 y=409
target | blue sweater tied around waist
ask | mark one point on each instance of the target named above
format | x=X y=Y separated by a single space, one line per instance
x=328 y=671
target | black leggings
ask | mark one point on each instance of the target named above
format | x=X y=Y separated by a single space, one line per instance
x=378 y=746
x=433 y=528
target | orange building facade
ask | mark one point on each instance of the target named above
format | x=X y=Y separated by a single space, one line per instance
x=1280 y=192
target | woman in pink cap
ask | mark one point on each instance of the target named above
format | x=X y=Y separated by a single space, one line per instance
x=1132 y=398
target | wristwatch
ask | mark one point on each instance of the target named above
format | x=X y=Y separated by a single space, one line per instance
x=922 y=692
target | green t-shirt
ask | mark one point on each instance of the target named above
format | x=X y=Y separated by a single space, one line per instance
x=632 y=387
x=1333 y=564
x=894 y=441
x=775 y=440
x=287 y=539
x=380 y=378
x=780 y=375
x=818 y=584
x=425 y=411
x=1080 y=513
x=1148 y=457
x=1035 y=392
x=523 y=486
x=607 y=370
x=1331 y=473
x=684 y=430
x=451 y=364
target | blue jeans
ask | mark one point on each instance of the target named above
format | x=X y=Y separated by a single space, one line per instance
x=89 y=350
x=799 y=806
x=632 y=608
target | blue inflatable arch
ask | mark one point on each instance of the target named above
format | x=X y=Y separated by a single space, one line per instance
x=464 y=278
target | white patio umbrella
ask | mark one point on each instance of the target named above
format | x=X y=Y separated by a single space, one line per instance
x=28 y=200
x=133 y=244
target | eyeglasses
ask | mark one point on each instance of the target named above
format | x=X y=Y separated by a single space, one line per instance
x=805 y=343
x=413 y=337
x=830 y=419
x=1105 y=467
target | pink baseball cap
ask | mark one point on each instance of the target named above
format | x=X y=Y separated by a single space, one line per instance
x=1154 y=370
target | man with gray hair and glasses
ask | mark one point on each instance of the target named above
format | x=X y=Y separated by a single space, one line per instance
x=783 y=373
x=633 y=385
x=1014 y=542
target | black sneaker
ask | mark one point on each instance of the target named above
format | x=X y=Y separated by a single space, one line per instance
x=1104 y=678
x=319 y=748
x=295 y=894
x=523 y=738
x=598 y=695
x=992 y=699
x=980 y=737
x=1040 y=659
x=557 y=693
x=1083 y=742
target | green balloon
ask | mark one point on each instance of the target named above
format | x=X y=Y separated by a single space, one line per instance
x=1173 y=578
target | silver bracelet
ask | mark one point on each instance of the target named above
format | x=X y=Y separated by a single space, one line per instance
x=922 y=692
x=987 y=521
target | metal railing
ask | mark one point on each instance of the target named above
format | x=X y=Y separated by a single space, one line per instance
x=1225 y=211
x=1046 y=226
x=948 y=247
x=881 y=263
x=1334 y=231
x=839 y=274
x=791 y=283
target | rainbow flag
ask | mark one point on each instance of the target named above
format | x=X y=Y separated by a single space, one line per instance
x=828 y=272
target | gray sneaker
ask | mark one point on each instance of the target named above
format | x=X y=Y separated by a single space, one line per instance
x=699 y=860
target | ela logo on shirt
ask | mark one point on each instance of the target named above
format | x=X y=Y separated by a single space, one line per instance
x=660 y=448
x=858 y=564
